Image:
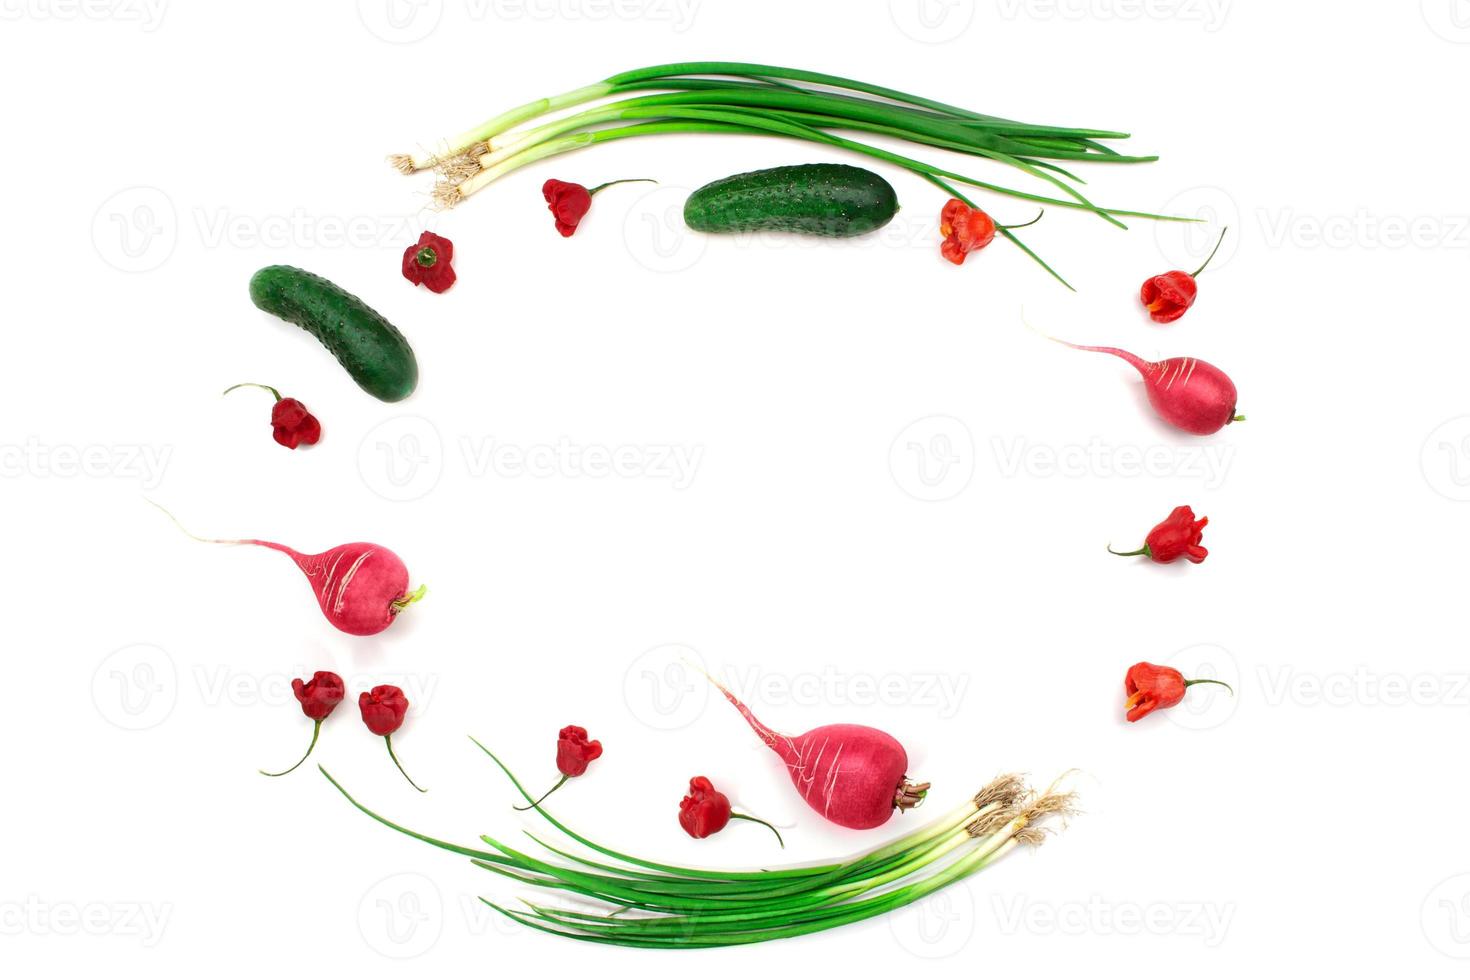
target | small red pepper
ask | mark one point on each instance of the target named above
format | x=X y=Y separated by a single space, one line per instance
x=574 y=753
x=383 y=709
x=1176 y=536
x=705 y=810
x=291 y=424
x=1150 y=687
x=569 y=202
x=965 y=230
x=427 y=264
x=1168 y=296
x=318 y=697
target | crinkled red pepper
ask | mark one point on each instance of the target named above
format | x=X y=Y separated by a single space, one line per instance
x=427 y=264
x=383 y=710
x=1167 y=297
x=965 y=230
x=1150 y=687
x=318 y=697
x=291 y=424
x=1176 y=536
x=574 y=753
x=705 y=810
x=569 y=202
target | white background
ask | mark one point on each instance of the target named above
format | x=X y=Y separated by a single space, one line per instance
x=897 y=517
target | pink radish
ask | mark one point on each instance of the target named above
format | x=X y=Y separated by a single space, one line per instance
x=361 y=587
x=1186 y=392
x=853 y=775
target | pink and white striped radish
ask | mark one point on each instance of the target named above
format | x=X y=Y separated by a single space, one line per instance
x=1188 y=393
x=853 y=775
x=360 y=587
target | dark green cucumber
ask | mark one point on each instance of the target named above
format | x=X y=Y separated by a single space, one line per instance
x=828 y=199
x=367 y=345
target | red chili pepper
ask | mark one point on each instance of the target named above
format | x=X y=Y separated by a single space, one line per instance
x=705 y=810
x=291 y=424
x=383 y=709
x=1176 y=536
x=965 y=230
x=569 y=202
x=428 y=263
x=1150 y=687
x=1168 y=296
x=318 y=697
x=574 y=753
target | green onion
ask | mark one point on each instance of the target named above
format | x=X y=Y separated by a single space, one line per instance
x=646 y=904
x=732 y=97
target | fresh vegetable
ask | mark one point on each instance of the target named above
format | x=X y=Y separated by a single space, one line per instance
x=318 y=697
x=660 y=906
x=569 y=203
x=1150 y=687
x=1176 y=536
x=360 y=587
x=574 y=753
x=704 y=810
x=730 y=97
x=831 y=200
x=967 y=229
x=853 y=775
x=367 y=345
x=291 y=424
x=428 y=263
x=383 y=710
x=1188 y=393
x=1169 y=296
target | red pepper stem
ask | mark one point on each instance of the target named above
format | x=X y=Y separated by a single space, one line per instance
x=1128 y=554
x=1207 y=680
x=743 y=816
x=1027 y=224
x=544 y=795
x=625 y=180
x=388 y=740
x=315 y=731
x=252 y=384
x=1196 y=272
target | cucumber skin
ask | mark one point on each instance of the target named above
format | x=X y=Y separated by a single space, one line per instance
x=370 y=348
x=832 y=200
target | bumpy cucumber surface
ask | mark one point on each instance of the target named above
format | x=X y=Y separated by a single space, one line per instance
x=828 y=199
x=367 y=345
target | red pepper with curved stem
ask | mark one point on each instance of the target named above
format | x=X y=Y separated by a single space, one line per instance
x=318 y=697
x=1176 y=536
x=1169 y=296
x=383 y=710
x=291 y=424
x=574 y=753
x=569 y=202
x=968 y=229
x=427 y=263
x=705 y=810
x=1151 y=688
